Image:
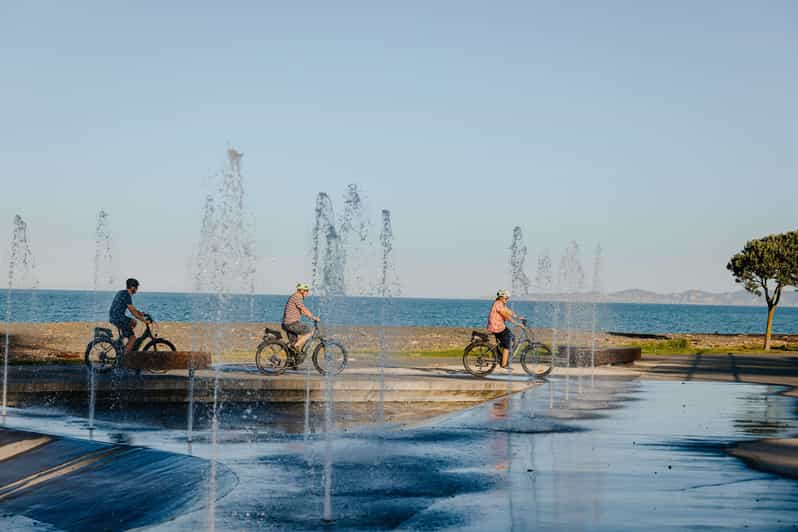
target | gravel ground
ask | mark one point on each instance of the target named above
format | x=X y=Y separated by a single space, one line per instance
x=59 y=341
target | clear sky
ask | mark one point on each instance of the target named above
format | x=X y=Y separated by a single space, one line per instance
x=666 y=131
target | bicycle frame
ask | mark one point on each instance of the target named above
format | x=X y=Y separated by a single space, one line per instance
x=481 y=355
x=120 y=344
x=287 y=355
x=139 y=339
x=305 y=351
x=525 y=335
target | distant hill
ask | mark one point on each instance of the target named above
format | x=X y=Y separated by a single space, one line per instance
x=789 y=297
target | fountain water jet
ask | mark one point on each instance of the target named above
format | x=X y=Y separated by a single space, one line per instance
x=386 y=291
x=519 y=280
x=225 y=265
x=103 y=280
x=598 y=289
x=346 y=263
x=21 y=268
x=328 y=258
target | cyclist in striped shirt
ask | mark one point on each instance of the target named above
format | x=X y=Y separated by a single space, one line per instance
x=298 y=332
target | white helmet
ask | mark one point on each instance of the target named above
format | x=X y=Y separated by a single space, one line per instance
x=303 y=286
x=503 y=292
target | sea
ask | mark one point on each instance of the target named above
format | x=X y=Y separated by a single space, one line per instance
x=89 y=306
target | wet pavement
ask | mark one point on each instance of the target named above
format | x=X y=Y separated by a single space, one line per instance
x=575 y=453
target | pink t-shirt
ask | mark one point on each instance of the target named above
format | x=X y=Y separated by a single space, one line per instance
x=496 y=320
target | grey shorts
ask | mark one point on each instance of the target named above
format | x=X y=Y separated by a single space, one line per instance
x=124 y=327
x=295 y=329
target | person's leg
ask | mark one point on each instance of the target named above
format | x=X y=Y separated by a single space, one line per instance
x=301 y=340
x=506 y=343
x=505 y=356
x=302 y=332
x=131 y=336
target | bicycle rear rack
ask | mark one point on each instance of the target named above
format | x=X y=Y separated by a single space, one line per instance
x=102 y=332
x=271 y=333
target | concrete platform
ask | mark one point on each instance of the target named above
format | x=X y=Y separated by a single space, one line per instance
x=243 y=383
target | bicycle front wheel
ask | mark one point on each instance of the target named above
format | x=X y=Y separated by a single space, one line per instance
x=101 y=355
x=159 y=345
x=272 y=357
x=330 y=358
x=479 y=359
x=536 y=359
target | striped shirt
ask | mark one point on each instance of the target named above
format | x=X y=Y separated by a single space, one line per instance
x=293 y=309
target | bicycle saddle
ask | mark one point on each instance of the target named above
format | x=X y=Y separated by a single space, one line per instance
x=476 y=335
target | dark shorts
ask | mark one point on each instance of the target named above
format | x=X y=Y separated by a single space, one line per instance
x=505 y=338
x=124 y=327
x=295 y=329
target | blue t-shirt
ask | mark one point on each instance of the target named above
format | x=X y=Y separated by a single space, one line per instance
x=119 y=306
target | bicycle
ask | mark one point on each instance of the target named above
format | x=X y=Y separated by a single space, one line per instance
x=274 y=356
x=104 y=352
x=481 y=356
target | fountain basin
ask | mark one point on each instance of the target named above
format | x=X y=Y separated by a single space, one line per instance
x=161 y=360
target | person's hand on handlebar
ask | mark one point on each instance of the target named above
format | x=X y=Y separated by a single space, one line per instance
x=316 y=319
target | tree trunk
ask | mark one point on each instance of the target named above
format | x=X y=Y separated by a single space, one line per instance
x=769 y=328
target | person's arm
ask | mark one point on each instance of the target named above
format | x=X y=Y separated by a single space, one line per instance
x=138 y=314
x=507 y=314
x=305 y=312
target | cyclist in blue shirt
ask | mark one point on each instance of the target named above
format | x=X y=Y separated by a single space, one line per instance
x=116 y=315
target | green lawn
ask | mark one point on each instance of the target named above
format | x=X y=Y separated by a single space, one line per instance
x=682 y=346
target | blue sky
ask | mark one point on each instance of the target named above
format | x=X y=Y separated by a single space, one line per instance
x=664 y=132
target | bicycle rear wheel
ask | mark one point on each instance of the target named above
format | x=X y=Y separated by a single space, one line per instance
x=479 y=359
x=101 y=355
x=330 y=358
x=536 y=359
x=272 y=357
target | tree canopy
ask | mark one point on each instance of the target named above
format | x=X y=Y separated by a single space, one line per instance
x=765 y=266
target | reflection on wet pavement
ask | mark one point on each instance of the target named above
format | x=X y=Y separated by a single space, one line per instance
x=611 y=454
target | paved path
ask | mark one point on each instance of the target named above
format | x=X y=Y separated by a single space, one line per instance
x=774 y=455
x=773 y=368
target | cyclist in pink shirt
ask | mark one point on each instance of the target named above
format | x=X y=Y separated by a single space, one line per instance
x=496 y=323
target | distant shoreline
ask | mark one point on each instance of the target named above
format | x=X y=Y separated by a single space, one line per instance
x=740 y=298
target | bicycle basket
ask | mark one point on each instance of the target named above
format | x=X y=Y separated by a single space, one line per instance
x=271 y=333
x=102 y=332
x=477 y=336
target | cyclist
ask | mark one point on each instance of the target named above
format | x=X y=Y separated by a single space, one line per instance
x=499 y=313
x=295 y=308
x=116 y=315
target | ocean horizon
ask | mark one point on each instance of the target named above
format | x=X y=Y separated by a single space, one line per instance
x=51 y=305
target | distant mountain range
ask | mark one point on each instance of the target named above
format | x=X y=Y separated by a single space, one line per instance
x=789 y=297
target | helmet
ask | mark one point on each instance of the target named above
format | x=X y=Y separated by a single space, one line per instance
x=131 y=283
x=303 y=286
x=503 y=292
